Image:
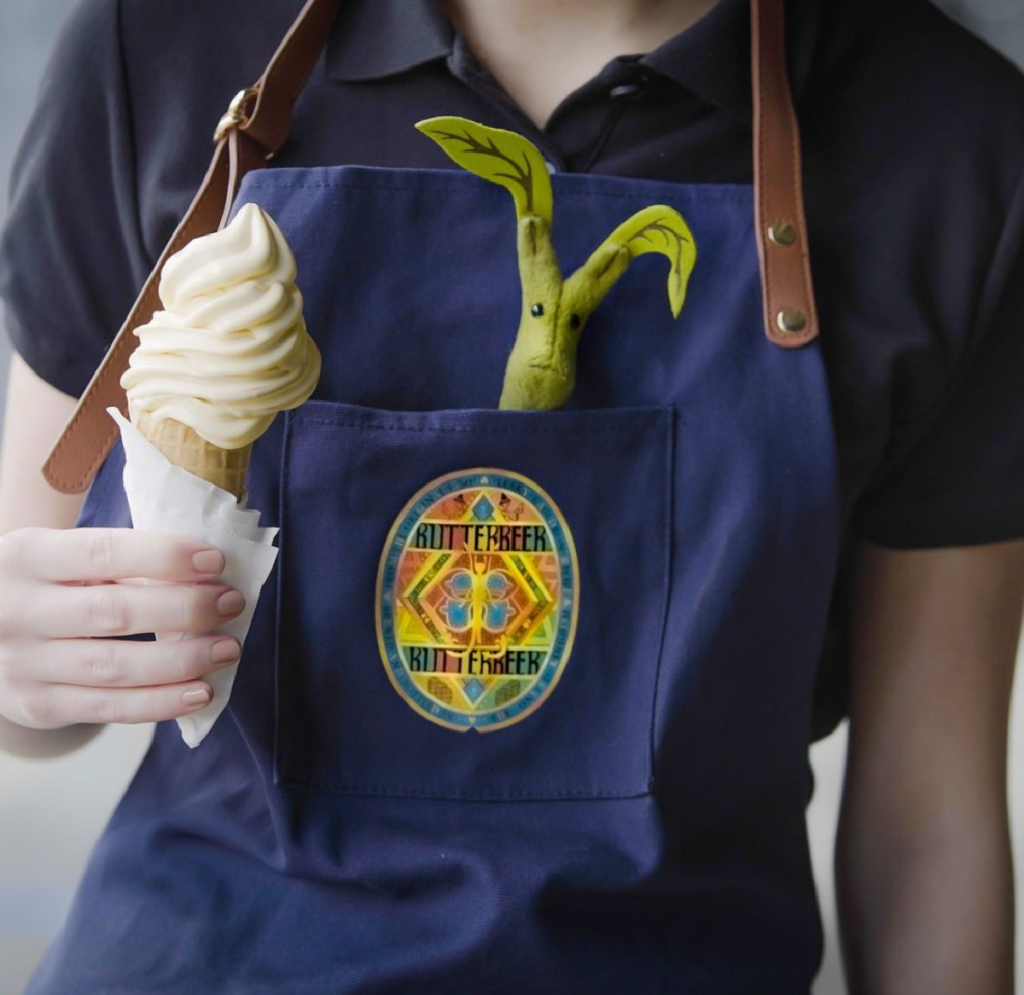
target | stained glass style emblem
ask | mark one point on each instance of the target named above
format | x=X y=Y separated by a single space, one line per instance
x=477 y=599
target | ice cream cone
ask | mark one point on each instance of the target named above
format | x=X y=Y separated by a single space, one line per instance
x=184 y=447
x=226 y=354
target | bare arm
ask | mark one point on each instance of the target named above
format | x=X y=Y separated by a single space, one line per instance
x=33 y=418
x=34 y=415
x=924 y=870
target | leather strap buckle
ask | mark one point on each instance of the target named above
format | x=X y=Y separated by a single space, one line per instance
x=237 y=113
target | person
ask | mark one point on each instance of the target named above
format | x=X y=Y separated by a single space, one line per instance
x=644 y=825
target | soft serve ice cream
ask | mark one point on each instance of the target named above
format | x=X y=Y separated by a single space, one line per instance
x=229 y=350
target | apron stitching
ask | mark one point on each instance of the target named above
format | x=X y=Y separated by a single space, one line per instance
x=666 y=581
x=342 y=786
x=453 y=189
x=475 y=429
x=279 y=604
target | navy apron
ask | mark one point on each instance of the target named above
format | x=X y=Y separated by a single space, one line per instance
x=630 y=819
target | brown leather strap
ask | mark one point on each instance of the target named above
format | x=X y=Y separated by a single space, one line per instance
x=90 y=432
x=286 y=74
x=249 y=138
x=790 y=314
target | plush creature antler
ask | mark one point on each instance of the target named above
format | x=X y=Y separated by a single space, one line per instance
x=541 y=370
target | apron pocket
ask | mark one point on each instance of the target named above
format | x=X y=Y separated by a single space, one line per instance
x=471 y=601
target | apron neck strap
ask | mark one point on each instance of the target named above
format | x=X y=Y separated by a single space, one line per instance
x=790 y=314
x=257 y=123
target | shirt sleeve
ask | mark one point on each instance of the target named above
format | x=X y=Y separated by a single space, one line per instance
x=71 y=257
x=955 y=474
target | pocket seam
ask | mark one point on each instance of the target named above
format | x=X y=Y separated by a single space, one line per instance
x=345 y=787
x=282 y=537
x=666 y=587
x=620 y=426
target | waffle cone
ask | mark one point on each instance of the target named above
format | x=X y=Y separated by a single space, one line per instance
x=184 y=447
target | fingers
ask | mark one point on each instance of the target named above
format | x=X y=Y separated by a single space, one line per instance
x=66 y=592
x=116 y=663
x=108 y=554
x=53 y=706
x=61 y=612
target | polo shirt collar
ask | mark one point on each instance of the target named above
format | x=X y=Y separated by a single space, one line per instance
x=373 y=39
x=711 y=58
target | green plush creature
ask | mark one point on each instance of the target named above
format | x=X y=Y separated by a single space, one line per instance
x=541 y=370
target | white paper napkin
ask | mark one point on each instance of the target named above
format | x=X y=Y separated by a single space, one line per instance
x=165 y=498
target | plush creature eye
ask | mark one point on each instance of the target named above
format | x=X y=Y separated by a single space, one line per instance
x=574 y=322
x=537 y=310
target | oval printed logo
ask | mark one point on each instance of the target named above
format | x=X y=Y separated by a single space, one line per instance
x=477 y=597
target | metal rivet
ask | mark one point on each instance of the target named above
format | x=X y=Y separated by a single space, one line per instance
x=782 y=233
x=791 y=319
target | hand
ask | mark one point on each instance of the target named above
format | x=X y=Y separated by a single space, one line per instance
x=65 y=592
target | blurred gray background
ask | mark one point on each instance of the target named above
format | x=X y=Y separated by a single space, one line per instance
x=51 y=812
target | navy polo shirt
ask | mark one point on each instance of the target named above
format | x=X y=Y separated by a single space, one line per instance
x=913 y=144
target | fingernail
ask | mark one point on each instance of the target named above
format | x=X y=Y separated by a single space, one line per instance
x=197 y=698
x=231 y=602
x=224 y=652
x=209 y=561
